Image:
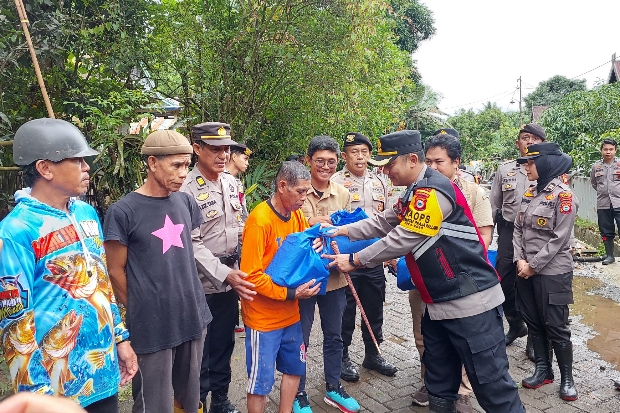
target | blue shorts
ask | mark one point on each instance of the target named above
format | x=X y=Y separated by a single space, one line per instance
x=282 y=349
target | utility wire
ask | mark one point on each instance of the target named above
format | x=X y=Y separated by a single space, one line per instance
x=584 y=73
x=505 y=93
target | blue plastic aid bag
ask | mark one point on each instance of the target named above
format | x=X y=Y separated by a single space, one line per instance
x=403 y=276
x=343 y=217
x=345 y=245
x=296 y=263
x=492 y=255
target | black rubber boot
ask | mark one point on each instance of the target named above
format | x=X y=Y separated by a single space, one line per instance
x=543 y=373
x=609 y=251
x=564 y=355
x=220 y=402
x=348 y=372
x=437 y=405
x=529 y=349
x=374 y=361
x=516 y=329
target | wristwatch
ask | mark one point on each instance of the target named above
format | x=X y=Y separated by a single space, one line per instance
x=352 y=261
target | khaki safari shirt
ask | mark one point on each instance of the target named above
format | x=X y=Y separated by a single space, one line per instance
x=509 y=184
x=478 y=201
x=335 y=198
x=220 y=234
x=368 y=192
x=605 y=179
x=544 y=228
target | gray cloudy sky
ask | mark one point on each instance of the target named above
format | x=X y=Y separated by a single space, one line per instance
x=482 y=46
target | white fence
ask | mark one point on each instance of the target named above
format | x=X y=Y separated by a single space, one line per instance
x=587 y=197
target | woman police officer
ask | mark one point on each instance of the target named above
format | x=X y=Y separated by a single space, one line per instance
x=542 y=239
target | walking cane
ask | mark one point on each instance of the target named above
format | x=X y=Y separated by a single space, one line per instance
x=357 y=299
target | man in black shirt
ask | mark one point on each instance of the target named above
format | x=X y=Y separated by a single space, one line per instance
x=151 y=264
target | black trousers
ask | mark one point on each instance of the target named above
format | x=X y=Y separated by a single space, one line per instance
x=543 y=300
x=107 y=405
x=476 y=342
x=215 y=372
x=608 y=219
x=370 y=286
x=506 y=268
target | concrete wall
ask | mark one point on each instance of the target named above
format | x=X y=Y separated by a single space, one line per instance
x=587 y=197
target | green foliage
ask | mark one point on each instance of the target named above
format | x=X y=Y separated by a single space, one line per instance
x=258 y=181
x=414 y=23
x=488 y=136
x=118 y=168
x=423 y=114
x=580 y=121
x=551 y=91
x=279 y=72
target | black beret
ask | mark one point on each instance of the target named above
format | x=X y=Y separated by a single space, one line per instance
x=356 y=138
x=540 y=149
x=534 y=129
x=447 y=131
x=397 y=143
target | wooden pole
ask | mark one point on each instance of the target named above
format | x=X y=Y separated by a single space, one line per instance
x=357 y=300
x=23 y=18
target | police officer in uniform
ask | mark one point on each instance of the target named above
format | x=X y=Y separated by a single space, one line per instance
x=462 y=322
x=605 y=179
x=463 y=173
x=542 y=251
x=509 y=184
x=239 y=162
x=368 y=192
x=216 y=250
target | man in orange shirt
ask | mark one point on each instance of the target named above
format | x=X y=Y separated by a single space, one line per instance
x=274 y=337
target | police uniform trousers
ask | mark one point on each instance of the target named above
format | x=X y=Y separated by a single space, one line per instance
x=370 y=286
x=506 y=268
x=608 y=219
x=476 y=342
x=215 y=372
x=543 y=300
x=331 y=306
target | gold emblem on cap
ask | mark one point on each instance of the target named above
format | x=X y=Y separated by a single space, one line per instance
x=247 y=152
x=350 y=138
x=443 y=132
x=221 y=131
x=379 y=146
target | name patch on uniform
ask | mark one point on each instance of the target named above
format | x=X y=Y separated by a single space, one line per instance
x=200 y=181
x=424 y=215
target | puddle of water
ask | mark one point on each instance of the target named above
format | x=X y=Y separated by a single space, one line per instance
x=600 y=313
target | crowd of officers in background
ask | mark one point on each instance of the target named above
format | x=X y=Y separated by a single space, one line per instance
x=182 y=316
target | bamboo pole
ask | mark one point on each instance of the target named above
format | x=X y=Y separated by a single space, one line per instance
x=6 y=143
x=9 y=168
x=23 y=18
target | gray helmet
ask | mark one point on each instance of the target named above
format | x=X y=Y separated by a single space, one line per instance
x=51 y=139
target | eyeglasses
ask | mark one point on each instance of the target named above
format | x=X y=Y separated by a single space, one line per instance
x=321 y=162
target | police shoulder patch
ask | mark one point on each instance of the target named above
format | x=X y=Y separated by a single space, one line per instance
x=424 y=214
